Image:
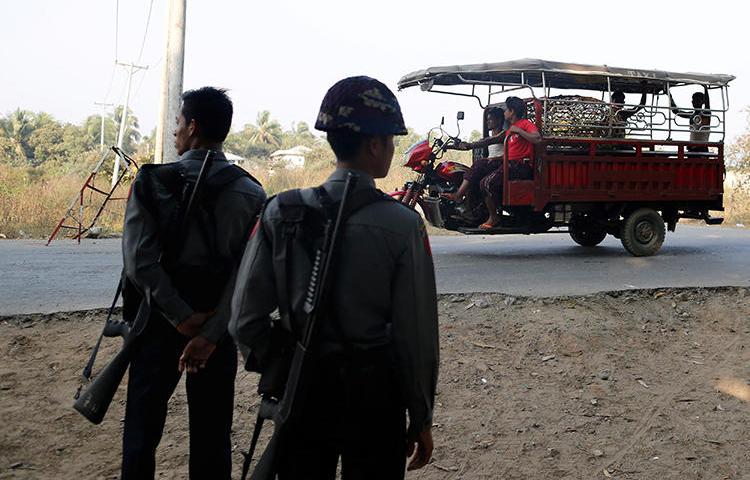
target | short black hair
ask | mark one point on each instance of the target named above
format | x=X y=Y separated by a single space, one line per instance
x=699 y=95
x=495 y=112
x=618 y=94
x=212 y=109
x=346 y=143
x=517 y=105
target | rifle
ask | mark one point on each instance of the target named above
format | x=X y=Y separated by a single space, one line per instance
x=94 y=397
x=284 y=412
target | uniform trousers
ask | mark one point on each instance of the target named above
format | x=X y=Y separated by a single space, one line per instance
x=354 y=411
x=152 y=379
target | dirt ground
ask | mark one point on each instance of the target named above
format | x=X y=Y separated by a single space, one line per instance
x=633 y=385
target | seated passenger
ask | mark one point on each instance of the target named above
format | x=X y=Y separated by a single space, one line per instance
x=700 y=119
x=621 y=115
x=482 y=167
x=520 y=138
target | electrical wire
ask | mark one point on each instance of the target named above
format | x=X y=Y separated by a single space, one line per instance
x=145 y=31
x=150 y=67
x=117 y=26
x=114 y=64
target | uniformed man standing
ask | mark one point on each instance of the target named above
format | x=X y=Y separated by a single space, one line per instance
x=377 y=345
x=189 y=281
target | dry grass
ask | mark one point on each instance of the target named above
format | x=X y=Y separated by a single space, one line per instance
x=32 y=203
x=737 y=205
x=283 y=179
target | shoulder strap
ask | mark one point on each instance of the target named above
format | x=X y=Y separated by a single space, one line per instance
x=293 y=213
x=364 y=198
x=228 y=174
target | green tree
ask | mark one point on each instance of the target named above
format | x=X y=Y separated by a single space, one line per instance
x=242 y=143
x=257 y=140
x=93 y=127
x=132 y=134
x=267 y=131
x=299 y=134
x=17 y=128
x=56 y=142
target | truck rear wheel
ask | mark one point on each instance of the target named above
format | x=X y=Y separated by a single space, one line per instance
x=587 y=234
x=643 y=232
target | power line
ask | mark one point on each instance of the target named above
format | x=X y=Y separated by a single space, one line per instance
x=117 y=25
x=132 y=69
x=145 y=31
x=111 y=82
x=143 y=77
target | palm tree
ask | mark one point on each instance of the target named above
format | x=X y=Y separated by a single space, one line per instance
x=132 y=135
x=267 y=131
x=18 y=127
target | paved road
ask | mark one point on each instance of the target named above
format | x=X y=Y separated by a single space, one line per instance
x=66 y=276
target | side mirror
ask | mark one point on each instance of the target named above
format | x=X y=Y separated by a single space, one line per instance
x=460 y=116
x=442 y=121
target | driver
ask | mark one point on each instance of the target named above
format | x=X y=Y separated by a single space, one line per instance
x=522 y=135
x=481 y=167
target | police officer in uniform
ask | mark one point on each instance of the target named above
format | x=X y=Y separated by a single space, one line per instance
x=189 y=295
x=378 y=343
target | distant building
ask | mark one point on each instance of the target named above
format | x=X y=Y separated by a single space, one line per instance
x=233 y=158
x=292 y=158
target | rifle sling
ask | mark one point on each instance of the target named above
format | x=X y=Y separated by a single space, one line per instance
x=92 y=357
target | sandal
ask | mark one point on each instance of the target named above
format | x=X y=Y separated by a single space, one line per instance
x=487 y=226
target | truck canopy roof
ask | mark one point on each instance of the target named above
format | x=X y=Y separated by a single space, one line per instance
x=557 y=75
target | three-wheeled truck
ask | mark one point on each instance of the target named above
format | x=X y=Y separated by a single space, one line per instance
x=595 y=172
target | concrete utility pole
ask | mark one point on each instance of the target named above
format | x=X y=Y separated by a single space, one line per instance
x=132 y=69
x=171 y=83
x=101 y=134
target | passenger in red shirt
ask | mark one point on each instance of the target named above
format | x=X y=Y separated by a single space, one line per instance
x=521 y=137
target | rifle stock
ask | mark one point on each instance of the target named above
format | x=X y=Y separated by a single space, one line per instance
x=94 y=401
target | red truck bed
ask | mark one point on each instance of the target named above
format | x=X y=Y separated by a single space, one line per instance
x=604 y=171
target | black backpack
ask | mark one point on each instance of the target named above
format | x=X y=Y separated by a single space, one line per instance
x=306 y=224
x=201 y=286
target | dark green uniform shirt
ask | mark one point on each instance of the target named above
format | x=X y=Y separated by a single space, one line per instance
x=383 y=291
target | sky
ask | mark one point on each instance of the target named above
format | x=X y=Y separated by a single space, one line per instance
x=282 y=55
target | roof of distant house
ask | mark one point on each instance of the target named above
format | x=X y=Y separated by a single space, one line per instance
x=233 y=157
x=299 y=150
